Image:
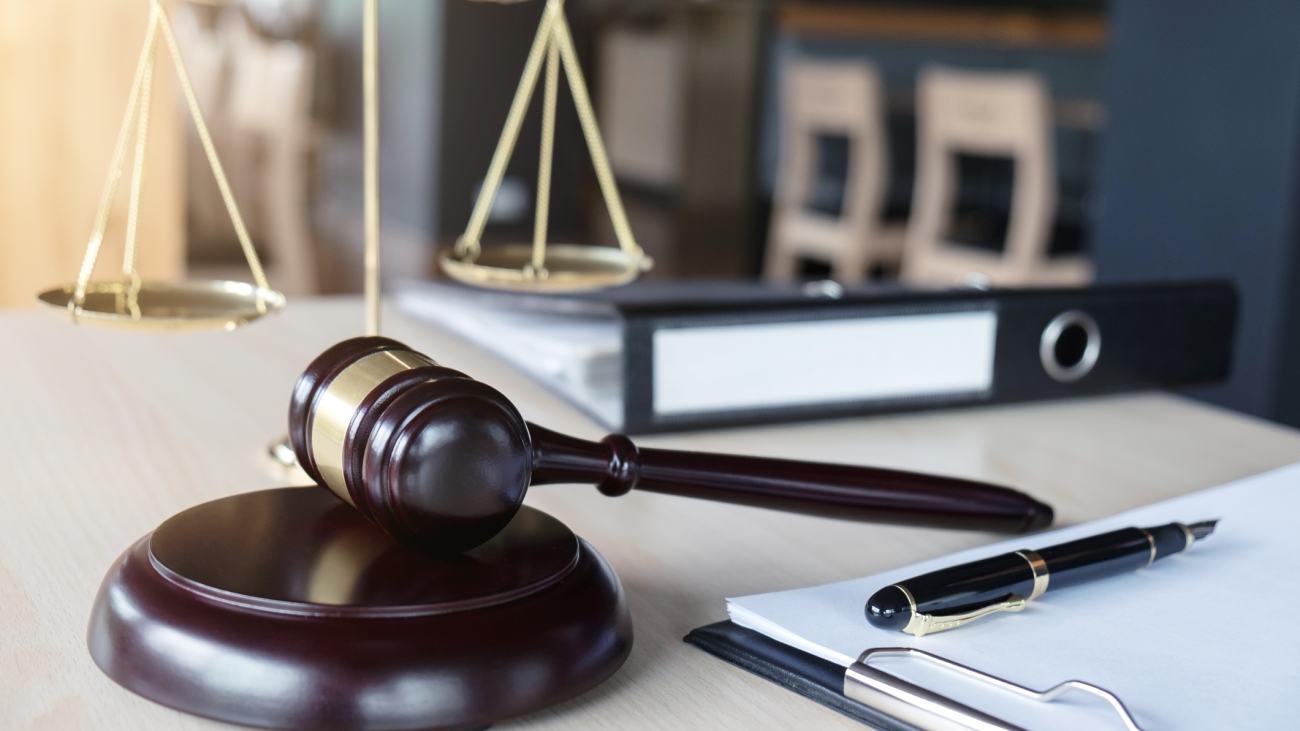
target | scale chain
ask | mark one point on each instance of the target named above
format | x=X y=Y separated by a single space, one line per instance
x=555 y=40
x=137 y=176
x=137 y=112
x=250 y=254
x=468 y=245
x=546 y=158
x=115 y=167
x=587 y=117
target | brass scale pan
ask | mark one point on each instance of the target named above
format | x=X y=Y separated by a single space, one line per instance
x=166 y=306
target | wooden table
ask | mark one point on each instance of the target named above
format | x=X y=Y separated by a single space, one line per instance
x=106 y=434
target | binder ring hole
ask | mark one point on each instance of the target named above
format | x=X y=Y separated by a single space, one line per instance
x=1070 y=346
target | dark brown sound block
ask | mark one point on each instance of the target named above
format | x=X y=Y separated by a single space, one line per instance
x=286 y=609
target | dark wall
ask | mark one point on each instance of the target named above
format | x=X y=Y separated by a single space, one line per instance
x=1197 y=175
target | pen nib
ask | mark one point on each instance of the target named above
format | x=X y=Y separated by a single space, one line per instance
x=1203 y=528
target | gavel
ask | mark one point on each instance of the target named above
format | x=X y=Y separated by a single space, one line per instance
x=441 y=462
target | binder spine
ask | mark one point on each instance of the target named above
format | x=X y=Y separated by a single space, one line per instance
x=1049 y=343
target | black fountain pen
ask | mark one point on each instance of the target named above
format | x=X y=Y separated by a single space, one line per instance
x=953 y=596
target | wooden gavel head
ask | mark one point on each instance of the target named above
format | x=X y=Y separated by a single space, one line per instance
x=438 y=460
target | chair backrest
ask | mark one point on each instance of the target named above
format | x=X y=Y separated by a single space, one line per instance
x=271 y=86
x=257 y=96
x=823 y=99
x=270 y=103
x=993 y=114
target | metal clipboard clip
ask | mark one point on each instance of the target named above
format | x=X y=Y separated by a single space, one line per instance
x=929 y=711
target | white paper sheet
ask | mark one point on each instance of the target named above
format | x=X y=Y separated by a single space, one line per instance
x=1204 y=640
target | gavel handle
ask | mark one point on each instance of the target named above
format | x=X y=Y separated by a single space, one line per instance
x=618 y=466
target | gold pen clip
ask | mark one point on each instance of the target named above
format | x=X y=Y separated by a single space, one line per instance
x=924 y=624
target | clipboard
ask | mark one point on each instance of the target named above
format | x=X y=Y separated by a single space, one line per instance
x=870 y=695
x=1155 y=637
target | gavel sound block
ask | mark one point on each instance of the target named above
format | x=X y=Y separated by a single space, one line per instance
x=290 y=609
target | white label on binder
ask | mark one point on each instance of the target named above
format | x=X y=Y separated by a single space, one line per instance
x=737 y=367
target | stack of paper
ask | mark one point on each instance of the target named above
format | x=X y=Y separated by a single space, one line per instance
x=572 y=347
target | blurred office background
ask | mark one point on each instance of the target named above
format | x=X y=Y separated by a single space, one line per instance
x=940 y=142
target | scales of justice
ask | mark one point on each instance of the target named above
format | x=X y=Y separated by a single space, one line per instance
x=410 y=588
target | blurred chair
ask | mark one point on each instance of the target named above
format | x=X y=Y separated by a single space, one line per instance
x=824 y=101
x=256 y=92
x=998 y=115
x=271 y=101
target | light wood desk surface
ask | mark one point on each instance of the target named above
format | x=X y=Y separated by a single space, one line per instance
x=105 y=434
